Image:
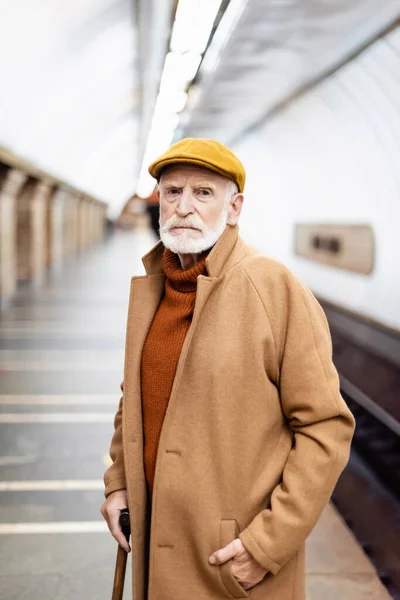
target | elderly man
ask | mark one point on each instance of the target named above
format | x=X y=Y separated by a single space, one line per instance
x=231 y=431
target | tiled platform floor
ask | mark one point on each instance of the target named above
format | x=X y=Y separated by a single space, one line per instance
x=337 y=567
x=61 y=358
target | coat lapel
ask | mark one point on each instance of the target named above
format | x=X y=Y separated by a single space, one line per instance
x=145 y=296
x=146 y=293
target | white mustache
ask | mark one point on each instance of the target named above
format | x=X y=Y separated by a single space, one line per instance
x=189 y=221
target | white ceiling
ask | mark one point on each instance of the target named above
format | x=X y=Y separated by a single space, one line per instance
x=69 y=99
x=79 y=78
x=278 y=47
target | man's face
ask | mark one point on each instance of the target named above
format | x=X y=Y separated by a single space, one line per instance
x=194 y=208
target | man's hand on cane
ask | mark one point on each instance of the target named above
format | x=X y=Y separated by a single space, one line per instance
x=111 y=510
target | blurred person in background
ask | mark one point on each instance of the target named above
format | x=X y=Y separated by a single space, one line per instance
x=231 y=431
x=153 y=210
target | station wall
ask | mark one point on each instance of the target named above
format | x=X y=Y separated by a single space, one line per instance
x=333 y=156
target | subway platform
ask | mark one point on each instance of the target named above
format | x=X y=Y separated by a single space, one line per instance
x=61 y=361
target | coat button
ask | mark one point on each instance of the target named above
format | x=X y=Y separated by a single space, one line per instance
x=177 y=452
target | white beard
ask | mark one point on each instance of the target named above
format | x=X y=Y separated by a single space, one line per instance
x=184 y=244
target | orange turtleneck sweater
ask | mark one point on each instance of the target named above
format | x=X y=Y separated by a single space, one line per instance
x=162 y=349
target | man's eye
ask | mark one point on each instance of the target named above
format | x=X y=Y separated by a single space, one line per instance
x=204 y=192
x=172 y=191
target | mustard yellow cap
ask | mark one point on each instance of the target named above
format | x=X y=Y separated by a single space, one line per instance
x=203 y=153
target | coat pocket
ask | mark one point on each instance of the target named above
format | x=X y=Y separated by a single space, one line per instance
x=228 y=532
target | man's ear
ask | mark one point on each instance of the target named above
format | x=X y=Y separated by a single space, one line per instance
x=235 y=208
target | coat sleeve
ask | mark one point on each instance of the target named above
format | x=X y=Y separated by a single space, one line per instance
x=114 y=477
x=320 y=422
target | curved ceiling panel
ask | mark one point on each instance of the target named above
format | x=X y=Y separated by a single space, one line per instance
x=70 y=97
x=277 y=49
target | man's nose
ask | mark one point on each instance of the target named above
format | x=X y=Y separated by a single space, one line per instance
x=185 y=204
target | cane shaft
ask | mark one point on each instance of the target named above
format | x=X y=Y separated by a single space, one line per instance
x=120 y=566
x=119 y=576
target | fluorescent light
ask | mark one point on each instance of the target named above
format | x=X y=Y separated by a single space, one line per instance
x=212 y=57
x=191 y=31
x=224 y=32
x=179 y=69
x=190 y=63
x=172 y=100
x=193 y=25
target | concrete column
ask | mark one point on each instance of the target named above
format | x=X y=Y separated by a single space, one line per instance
x=89 y=217
x=87 y=223
x=101 y=221
x=75 y=225
x=66 y=227
x=93 y=209
x=82 y=224
x=55 y=223
x=90 y=222
x=70 y=225
x=38 y=234
x=12 y=181
x=98 y=222
x=25 y=229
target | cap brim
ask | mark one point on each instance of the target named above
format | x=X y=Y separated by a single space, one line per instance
x=155 y=169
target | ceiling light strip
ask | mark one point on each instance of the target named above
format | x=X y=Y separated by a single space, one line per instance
x=192 y=28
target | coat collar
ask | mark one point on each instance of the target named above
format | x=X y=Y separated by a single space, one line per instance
x=228 y=251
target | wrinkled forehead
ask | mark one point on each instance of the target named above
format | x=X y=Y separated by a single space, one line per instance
x=179 y=174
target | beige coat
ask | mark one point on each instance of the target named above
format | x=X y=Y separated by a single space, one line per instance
x=254 y=438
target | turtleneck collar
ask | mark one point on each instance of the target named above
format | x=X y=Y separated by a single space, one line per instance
x=183 y=280
x=228 y=251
